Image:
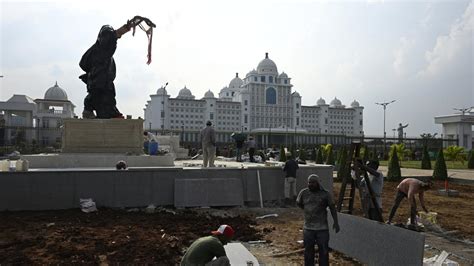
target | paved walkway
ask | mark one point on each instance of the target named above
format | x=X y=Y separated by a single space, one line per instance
x=463 y=174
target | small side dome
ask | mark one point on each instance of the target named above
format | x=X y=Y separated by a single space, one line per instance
x=321 y=101
x=295 y=94
x=236 y=82
x=185 y=93
x=355 y=104
x=335 y=102
x=251 y=73
x=55 y=93
x=209 y=94
x=283 y=75
x=224 y=89
x=162 y=91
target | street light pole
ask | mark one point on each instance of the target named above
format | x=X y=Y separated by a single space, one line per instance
x=384 y=104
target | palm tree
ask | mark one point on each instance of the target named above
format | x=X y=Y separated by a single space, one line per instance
x=454 y=153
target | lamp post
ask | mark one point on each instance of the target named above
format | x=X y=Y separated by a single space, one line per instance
x=384 y=104
x=182 y=132
x=394 y=129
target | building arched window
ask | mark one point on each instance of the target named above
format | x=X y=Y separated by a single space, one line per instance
x=271 y=96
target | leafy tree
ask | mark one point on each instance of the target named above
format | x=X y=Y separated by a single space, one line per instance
x=440 y=170
x=454 y=153
x=282 y=154
x=425 y=160
x=394 y=172
x=320 y=157
x=470 y=161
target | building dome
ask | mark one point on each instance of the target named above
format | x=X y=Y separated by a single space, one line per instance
x=267 y=66
x=283 y=75
x=355 y=104
x=336 y=102
x=321 y=101
x=224 y=89
x=252 y=73
x=55 y=93
x=162 y=91
x=236 y=82
x=185 y=93
x=209 y=94
x=295 y=94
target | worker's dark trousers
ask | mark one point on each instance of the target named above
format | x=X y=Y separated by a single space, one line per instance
x=312 y=237
x=398 y=199
x=251 y=153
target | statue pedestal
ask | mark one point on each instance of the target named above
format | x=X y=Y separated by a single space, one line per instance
x=103 y=136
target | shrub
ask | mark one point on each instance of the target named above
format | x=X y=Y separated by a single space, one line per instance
x=394 y=172
x=319 y=157
x=425 y=159
x=330 y=157
x=282 y=154
x=470 y=160
x=314 y=153
x=343 y=169
x=440 y=171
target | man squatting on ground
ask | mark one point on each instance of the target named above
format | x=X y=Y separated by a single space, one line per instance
x=407 y=189
x=208 y=140
x=376 y=182
x=290 y=178
x=203 y=250
x=314 y=200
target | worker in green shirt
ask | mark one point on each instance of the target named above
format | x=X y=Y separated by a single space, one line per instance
x=203 y=250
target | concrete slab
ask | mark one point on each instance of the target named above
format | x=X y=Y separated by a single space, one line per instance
x=207 y=192
x=376 y=243
x=74 y=160
x=239 y=255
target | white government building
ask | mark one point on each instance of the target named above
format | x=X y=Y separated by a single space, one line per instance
x=262 y=104
x=26 y=119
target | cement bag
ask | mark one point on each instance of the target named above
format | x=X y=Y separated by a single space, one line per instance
x=87 y=205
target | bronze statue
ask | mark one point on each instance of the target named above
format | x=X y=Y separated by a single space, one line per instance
x=99 y=65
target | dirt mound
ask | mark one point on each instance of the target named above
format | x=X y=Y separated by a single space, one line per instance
x=111 y=236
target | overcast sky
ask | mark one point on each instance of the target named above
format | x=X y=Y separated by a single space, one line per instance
x=419 y=53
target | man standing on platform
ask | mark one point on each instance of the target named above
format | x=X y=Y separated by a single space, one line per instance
x=290 y=179
x=208 y=140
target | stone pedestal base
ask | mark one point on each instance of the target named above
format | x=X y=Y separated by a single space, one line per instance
x=103 y=136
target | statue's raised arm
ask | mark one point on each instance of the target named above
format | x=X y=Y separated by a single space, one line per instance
x=99 y=65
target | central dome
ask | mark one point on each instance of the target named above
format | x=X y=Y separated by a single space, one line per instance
x=267 y=66
x=55 y=93
x=336 y=102
x=185 y=93
x=209 y=94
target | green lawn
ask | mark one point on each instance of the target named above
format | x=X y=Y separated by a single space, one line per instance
x=417 y=164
